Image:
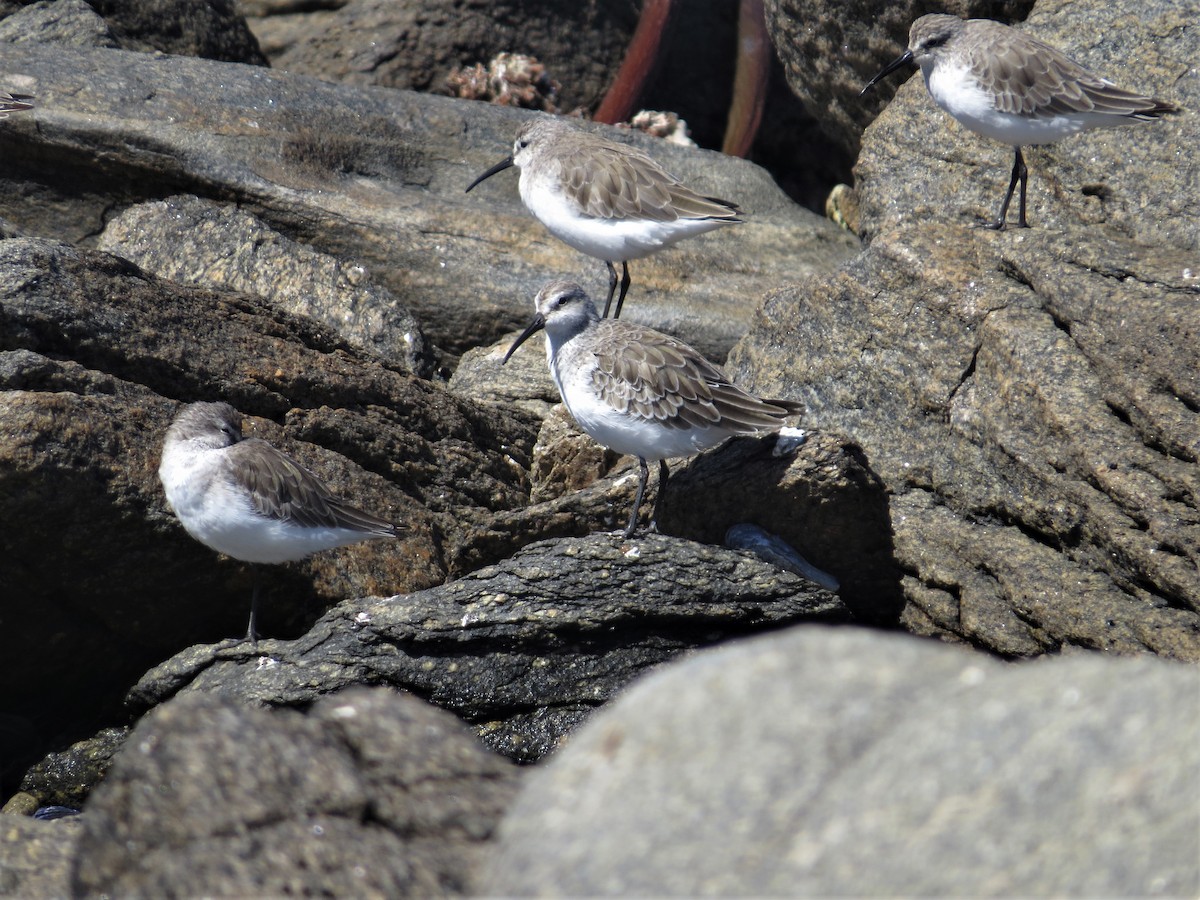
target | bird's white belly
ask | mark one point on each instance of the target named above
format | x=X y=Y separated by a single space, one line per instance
x=224 y=520
x=956 y=91
x=614 y=240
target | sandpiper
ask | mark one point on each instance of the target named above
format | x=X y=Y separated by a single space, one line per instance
x=638 y=391
x=1003 y=84
x=246 y=499
x=608 y=200
x=14 y=103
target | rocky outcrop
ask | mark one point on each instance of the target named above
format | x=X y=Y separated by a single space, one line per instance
x=524 y=649
x=368 y=794
x=868 y=765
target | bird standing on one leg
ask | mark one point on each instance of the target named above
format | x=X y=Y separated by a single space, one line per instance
x=1003 y=84
x=638 y=391
x=246 y=499
x=608 y=200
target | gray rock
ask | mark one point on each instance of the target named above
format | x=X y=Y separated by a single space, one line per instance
x=206 y=28
x=35 y=856
x=415 y=45
x=1029 y=400
x=197 y=242
x=830 y=50
x=1142 y=182
x=524 y=649
x=69 y=22
x=823 y=762
x=377 y=177
x=369 y=794
x=65 y=778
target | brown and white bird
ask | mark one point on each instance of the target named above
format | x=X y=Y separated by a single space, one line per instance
x=246 y=499
x=608 y=200
x=1006 y=85
x=638 y=391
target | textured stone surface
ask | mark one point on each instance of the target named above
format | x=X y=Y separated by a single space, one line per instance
x=848 y=763
x=35 y=856
x=1029 y=401
x=197 y=242
x=524 y=649
x=370 y=794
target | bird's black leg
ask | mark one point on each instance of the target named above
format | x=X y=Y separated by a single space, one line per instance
x=1024 y=180
x=612 y=288
x=1019 y=173
x=637 y=501
x=624 y=288
x=663 y=474
x=252 y=630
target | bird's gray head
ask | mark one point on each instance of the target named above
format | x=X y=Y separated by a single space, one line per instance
x=563 y=309
x=208 y=425
x=534 y=134
x=929 y=34
x=926 y=37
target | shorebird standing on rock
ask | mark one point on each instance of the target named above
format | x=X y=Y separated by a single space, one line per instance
x=608 y=200
x=1005 y=85
x=638 y=391
x=246 y=499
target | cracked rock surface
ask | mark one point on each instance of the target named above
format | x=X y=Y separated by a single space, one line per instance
x=1031 y=401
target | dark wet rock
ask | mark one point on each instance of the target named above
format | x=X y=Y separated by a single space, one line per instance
x=36 y=856
x=375 y=177
x=524 y=649
x=201 y=243
x=1029 y=401
x=63 y=780
x=1141 y=181
x=208 y=28
x=370 y=793
x=869 y=765
x=831 y=49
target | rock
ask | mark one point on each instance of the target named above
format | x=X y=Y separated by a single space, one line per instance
x=70 y=22
x=66 y=778
x=207 y=28
x=369 y=794
x=415 y=46
x=821 y=762
x=830 y=50
x=524 y=649
x=1028 y=401
x=1142 y=182
x=93 y=353
x=198 y=242
x=376 y=178
x=35 y=856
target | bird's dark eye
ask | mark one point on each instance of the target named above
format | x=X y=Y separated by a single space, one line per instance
x=936 y=41
x=523 y=143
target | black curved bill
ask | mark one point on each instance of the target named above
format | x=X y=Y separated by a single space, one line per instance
x=887 y=70
x=535 y=326
x=498 y=167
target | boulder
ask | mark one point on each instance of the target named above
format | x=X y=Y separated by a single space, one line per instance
x=370 y=793
x=820 y=762
x=1028 y=400
x=524 y=649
